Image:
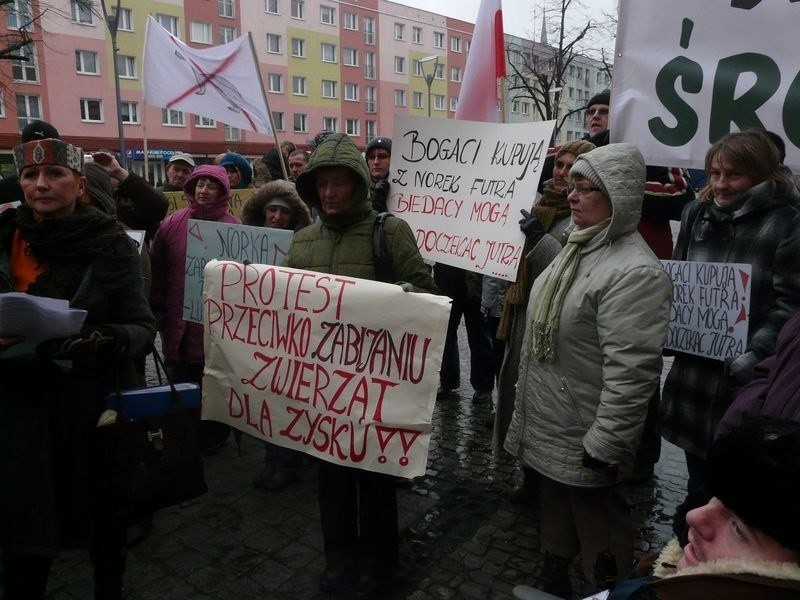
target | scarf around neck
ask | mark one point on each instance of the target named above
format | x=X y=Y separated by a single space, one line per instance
x=549 y=300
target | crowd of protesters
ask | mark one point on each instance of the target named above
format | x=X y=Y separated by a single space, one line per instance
x=570 y=353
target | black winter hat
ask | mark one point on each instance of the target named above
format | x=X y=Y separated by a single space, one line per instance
x=39 y=130
x=603 y=97
x=379 y=142
x=754 y=470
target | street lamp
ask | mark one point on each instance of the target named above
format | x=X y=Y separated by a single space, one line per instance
x=112 y=21
x=429 y=76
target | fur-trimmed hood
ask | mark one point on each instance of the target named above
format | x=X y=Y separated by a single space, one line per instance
x=253 y=209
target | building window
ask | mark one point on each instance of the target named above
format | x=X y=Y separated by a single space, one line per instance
x=350 y=57
x=370 y=130
x=271 y=6
x=204 y=122
x=327 y=15
x=370 y=105
x=173 y=118
x=438 y=102
x=129 y=112
x=81 y=12
x=399 y=31
x=399 y=97
x=524 y=108
x=369 y=65
x=416 y=68
x=369 y=31
x=515 y=107
x=352 y=127
x=273 y=43
x=126 y=66
x=91 y=110
x=86 y=62
x=298 y=85
x=225 y=8
x=300 y=123
x=328 y=52
x=169 y=23
x=232 y=134
x=29 y=109
x=298 y=48
x=438 y=39
x=416 y=99
x=18 y=15
x=329 y=88
x=453 y=103
x=416 y=35
x=439 y=72
x=351 y=92
x=455 y=74
x=277 y=121
x=226 y=34
x=200 y=32
x=28 y=69
x=298 y=9
x=399 y=64
x=467 y=46
x=330 y=124
x=455 y=43
x=350 y=21
x=125 y=21
x=275 y=83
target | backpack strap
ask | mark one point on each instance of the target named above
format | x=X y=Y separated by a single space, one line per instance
x=380 y=250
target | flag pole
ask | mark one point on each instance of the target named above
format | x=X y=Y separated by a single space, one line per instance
x=266 y=103
x=144 y=104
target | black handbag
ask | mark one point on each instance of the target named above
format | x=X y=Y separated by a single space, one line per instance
x=145 y=464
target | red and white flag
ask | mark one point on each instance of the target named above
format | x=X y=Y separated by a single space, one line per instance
x=477 y=100
x=221 y=82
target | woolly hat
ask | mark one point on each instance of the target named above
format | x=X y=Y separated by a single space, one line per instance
x=38 y=130
x=379 y=142
x=319 y=138
x=586 y=169
x=575 y=148
x=241 y=164
x=49 y=151
x=755 y=472
x=603 y=97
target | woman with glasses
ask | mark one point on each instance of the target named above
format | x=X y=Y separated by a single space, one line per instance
x=745 y=214
x=591 y=356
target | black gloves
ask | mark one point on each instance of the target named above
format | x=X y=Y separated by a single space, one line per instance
x=91 y=344
x=529 y=225
x=380 y=194
x=588 y=461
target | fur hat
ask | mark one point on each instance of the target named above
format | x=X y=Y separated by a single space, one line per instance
x=48 y=151
x=379 y=142
x=241 y=164
x=603 y=97
x=754 y=470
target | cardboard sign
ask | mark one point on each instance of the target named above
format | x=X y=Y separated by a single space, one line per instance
x=238 y=197
x=206 y=240
x=689 y=72
x=460 y=185
x=341 y=368
x=710 y=308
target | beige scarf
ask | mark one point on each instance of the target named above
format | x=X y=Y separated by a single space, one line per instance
x=549 y=300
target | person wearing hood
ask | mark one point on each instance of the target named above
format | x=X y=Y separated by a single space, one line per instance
x=207 y=192
x=358 y=508
x=746 y=214
x=239 y=169
x=591 y=355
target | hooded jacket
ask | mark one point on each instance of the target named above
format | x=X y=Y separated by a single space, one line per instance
x=593 y=396
x=342 y=244
x=168 y=258
x=253 y=209
x=234 y=159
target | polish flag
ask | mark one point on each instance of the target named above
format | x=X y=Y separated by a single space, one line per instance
x=486 y=62
x=219 y=82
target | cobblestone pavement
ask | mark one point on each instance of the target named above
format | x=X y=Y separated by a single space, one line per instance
x=461 y=538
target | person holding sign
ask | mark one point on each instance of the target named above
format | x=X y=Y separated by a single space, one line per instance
x=358 y=508
x=591 y=355
x=746 y=214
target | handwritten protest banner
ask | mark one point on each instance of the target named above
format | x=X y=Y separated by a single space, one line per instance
x=341 y=368
x=710 y=308
x=206 y=240
x=460 y=186
x=689 y=72
x=238 y=197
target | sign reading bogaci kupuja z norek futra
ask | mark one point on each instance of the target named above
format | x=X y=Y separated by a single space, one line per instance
x=341 y=368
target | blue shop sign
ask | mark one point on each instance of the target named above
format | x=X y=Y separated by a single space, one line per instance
x=151 y=153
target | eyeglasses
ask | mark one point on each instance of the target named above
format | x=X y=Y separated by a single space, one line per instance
x=581 y=190
x=590 y=112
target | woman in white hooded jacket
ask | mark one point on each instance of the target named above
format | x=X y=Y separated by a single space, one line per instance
x=591 y=359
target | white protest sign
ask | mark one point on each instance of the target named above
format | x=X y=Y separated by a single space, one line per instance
x=710 y=308
x=137 y=236
x=461 y=184
x=688 y=72
x=341 y=368
x=206 y=240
